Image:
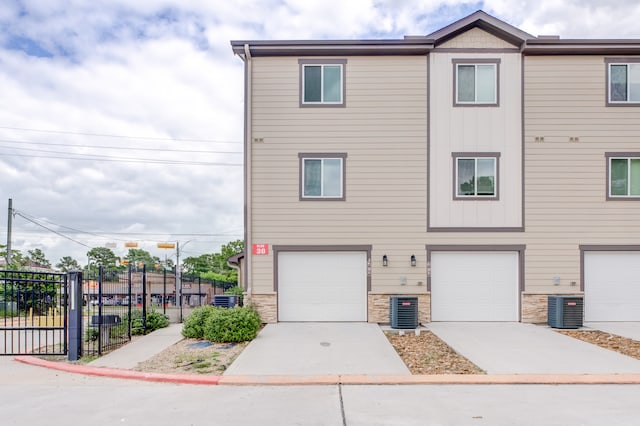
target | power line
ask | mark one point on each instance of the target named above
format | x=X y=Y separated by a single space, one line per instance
x=49 y=229
x=96 y=156
x=107 y=234
x=106 y=135
x=124 y=160
x=117 y=148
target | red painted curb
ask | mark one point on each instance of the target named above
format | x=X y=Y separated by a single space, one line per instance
x=115 y=373
x=334 y=379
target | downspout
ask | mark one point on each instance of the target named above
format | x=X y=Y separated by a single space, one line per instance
x=248 y=219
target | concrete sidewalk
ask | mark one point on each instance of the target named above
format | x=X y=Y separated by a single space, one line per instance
x=141 y=349
x=518 y=348
x=319 y=348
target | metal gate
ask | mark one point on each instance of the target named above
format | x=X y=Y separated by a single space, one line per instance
x=33 y=313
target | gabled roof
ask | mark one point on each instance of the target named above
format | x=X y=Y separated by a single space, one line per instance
x=423 y=45
x=484 y=21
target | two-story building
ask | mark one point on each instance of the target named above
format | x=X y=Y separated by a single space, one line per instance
x=479 y=168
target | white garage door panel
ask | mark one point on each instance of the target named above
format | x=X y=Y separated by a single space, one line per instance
x=474 y=286
x=612 y=286
x=322 y=286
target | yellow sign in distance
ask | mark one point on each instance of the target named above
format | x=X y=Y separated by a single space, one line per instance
x=167 y=245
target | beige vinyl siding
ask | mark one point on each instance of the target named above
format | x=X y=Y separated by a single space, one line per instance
x=475 y=129
x=383 y=131
x=566 y=181
x=476 y=38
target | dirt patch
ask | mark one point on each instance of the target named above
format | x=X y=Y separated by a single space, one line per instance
x=605 y=340
x=427 y=354
x=191 y=356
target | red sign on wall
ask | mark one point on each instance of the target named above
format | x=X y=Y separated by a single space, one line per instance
x=260 y=249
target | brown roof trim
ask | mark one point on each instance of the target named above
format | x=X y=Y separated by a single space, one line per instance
x=333 y=47
x=486 y=22
x=582 y=47
x=235 y=259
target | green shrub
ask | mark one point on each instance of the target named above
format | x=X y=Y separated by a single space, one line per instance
x=155 y=321
x=193 y=327
x=232 y=325
x=92 y=334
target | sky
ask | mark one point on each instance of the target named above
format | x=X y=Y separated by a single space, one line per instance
x=122 y=121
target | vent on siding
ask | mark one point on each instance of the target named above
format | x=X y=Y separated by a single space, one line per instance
x=403 y=311
x=565 y=311
x=224 y=300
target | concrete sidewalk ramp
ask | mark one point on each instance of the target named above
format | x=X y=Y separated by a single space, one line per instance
x=318 y=348
x=516 y=348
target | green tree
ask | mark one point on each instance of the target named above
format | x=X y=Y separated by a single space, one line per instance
x=102 y=256
x=36 y=257
x=139 y=257
x=214 y=265
x=18 y=261
x=67 y=263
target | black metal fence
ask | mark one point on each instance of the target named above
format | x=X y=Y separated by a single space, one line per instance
x=33 y=313
x=115 y=304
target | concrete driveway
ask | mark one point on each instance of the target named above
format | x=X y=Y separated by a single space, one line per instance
x=517 y=348
x=630 y=330
x=318 y=348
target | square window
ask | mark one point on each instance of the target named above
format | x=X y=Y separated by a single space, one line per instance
x=475 y=175
x=623 y=177
x=624 y=83
x=322 y=83
x=322 y=176
x=475 y=83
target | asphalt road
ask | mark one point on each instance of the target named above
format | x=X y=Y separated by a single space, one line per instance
x=33 y=396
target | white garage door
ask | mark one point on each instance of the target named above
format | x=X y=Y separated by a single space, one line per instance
x=322 y=286
x=474 y=286
x=612 y=286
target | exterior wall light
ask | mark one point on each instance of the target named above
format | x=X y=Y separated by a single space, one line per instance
x=385 y=260
x=413 y=260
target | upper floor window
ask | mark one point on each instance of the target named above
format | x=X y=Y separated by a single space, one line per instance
x=322 y=176
x=475 y=175
x=476 y=82
x=322 y=82
x=623 y=175
x=624 y=81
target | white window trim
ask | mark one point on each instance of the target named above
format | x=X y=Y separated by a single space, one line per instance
x=629 y=196
x=495 y=156
x=322 y=67
x=324 y=156
x=457 y=65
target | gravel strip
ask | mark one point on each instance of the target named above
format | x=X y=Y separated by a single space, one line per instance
x=605 y=340
x=427 y=354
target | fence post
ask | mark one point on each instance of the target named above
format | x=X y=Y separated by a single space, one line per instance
x=75 y=315
x=144 y=298
x=100 y=328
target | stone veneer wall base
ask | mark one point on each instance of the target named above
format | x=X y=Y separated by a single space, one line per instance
x=535 y=307
x=379 y=307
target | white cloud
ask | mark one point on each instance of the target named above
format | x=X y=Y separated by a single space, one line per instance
x=164 y=69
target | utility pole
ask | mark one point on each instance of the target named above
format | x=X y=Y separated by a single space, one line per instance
x=9 y=220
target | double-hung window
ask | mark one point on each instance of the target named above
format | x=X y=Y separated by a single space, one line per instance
x=322 y=82
x=475 y=175
x=476 y=82
x=623 y=170
x=322 y=176
x=623 y=81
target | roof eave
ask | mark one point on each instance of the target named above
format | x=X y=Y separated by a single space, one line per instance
x=337 y=47
x=486 y=22
x=582 y=47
